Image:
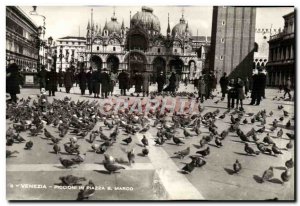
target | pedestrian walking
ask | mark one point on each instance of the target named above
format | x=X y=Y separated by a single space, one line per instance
x=232 y=94
x=201 y=89
x=288 y=88
x=42 y=75
x=82 y=80
x=68 y=80
x=51 y=82
x=224 y=84
x=89 y=81
x=105 y=83
x=160 y=82
x=96 y=81
x=259 y=83
x=123 y=82
x=113 y=81
x=146 y=83
x=13 y=81
x=172 y=83
x=240 y=93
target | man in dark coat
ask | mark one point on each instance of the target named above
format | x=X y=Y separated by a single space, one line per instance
x=68 y=80
x=96 y=79
x=105 y=83
x=60 y=78
x=172 y=83
x=42 y=77
x=13 y=81
x=82 y=80
x=160 y=82
x=138 y=83
x=89 y=80
x=123 y=82
x=224 y=84
x=261 y=81
x=51 y=84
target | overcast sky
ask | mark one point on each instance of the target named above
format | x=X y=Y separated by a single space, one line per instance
x=65 y=21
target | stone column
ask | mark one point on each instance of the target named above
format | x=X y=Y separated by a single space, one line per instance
x=292 y=52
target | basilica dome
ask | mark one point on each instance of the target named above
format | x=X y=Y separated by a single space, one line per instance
x=181 y=29
x=113 y=26
x=146 y=19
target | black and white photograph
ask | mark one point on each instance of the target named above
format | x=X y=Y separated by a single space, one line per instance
x=150 y=103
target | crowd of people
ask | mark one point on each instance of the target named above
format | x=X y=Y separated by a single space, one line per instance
x=101 y=83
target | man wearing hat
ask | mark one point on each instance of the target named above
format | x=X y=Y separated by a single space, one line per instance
x=105 y=83
x=123 y=82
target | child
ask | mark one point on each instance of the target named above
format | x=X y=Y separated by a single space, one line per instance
x=43 y=101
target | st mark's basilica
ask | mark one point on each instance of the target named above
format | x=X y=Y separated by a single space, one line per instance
x=142 y=47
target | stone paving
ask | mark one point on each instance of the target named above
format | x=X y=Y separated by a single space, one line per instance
x=158 y=176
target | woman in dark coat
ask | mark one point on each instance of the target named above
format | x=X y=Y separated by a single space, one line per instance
x=96 y=79
x=82 y=80
x=123 y=82
x=172 y=83
x=51 y=82
x=138 y=82
x=105 y=83
x=13 y=81
x=89 y=81
x=160 y=82
x=68 y=80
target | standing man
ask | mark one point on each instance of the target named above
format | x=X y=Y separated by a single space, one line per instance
x=246 y=86
x=60 y=78
x=82 y=80
x=96 y=79
x=224 y=84
x=113 y=81
x=160 y=82
x=89 y=80
x=42 y=75
x=123 y=82
x=105 y=83
x=13 y=81
x=51 y=82
x=146 y=83
x=254 y=90
x=138 y=82
x=68 y=80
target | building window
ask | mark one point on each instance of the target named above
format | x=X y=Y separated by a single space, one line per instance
x=221 y=57
x=222 y=40
x=223 y=23
x=114 y=48
x=97 y=48
x=158 y=50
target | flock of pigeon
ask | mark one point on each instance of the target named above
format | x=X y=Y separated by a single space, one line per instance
x=79 y=119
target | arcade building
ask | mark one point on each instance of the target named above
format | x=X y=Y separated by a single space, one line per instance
x=142 y=47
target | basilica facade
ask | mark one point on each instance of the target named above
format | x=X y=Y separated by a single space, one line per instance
x=142 y=46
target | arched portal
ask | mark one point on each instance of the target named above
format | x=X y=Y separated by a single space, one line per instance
x=96 y=62
x=113 y=63
x=176 y=65
x=136 y=62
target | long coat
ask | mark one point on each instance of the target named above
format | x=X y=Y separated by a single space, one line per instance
x=123 y=80
x=13 y=80
x=42 y=75
x=172 y=84
x=146 y=82
x=60 y=77
x=224 y=84
x=202 y=86
x=105 y=82
x=89 y=80
x=138 y=80
x=82 y=80
x=160 y=82
x=51 y=81
x=68 y=79
x=240 y=90
x=96 y=78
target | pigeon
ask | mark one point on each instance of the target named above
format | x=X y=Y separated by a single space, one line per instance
x=291 y=136
x=280 y=107
x=145 y=141
x=285 y=176
x=204 y=152
x=279 y=133
x=88 y=191
x=109 y=159
x=71 y=180
x=218 y=142
x=127 y=140
x=271 y=113
x=186 y=133
x=197 y=161
x=249 y=150
x=222 y=116
x=112 y=167
x=245 y=121
x=261 y=130
x=79 y=158
x=159 y=141
x=285 y=113
x=56 y=148
x=276 y=150
x=289 y=145
x=145 y=152
x=47 y=133
x=28 y=145
x=288 y=124
x=281 y=119
x=267 y=175
x=66 y=162
x=268 y=139
x=289 y=163
x=177 y=141
x=10 y=153
x=252 y=120
x=183 y=153
x=92 y=137
x=131 y=156
x=237 y=166
x=189 y=167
